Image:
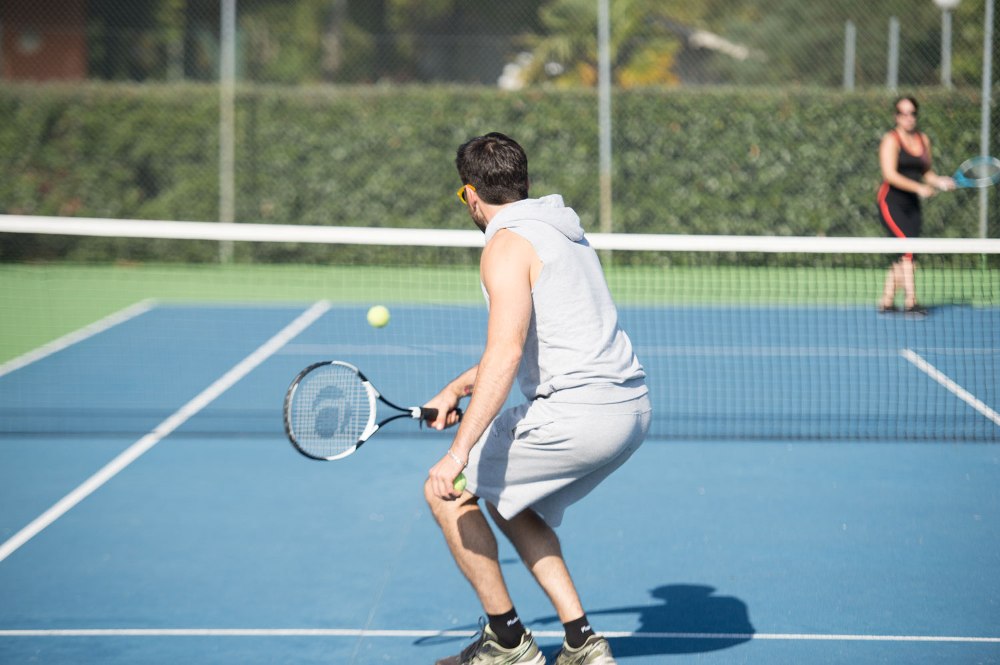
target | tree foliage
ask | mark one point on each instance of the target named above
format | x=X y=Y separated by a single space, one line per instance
x=803 y=42
x=644 y=41
x=373 y=41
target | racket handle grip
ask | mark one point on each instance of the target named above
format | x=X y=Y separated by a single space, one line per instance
x=432 y=414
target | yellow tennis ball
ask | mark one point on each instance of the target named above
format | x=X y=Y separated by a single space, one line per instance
x=460 y=482
x=378 y=316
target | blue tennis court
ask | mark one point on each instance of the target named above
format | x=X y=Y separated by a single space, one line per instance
x=151 y=509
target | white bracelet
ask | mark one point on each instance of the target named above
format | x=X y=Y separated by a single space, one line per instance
x=457 y=459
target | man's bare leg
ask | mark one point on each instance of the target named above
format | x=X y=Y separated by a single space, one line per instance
x=539 y=549
x=474 y=548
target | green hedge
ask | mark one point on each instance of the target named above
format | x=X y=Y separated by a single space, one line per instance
x=703 y=161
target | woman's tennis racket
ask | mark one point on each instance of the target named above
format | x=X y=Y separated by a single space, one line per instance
x=330 y=410
x=978 y=172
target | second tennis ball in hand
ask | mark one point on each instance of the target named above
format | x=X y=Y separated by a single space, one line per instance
x=460 y=482
x=378 y=316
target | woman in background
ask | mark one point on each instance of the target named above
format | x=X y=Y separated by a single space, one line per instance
x=905 y=159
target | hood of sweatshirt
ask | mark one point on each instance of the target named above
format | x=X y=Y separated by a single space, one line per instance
x=549 y=210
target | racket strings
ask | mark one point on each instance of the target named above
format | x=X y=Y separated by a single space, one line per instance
x=980 y=171
x=330 y=411
x=977 y=171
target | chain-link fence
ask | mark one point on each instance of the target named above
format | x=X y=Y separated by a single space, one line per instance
x=510 y=44
x=713 y=104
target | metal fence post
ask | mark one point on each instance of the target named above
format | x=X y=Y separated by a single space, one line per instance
x=850 y=49
x=227 y=119
x=892 y=75
x=984 y=133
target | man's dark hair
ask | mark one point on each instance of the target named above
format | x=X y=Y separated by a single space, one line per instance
x=496 y=166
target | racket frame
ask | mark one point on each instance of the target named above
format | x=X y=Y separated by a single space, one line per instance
x=374 y=396
x=964 y=182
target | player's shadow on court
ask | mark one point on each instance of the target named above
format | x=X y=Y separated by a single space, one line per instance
x=688 y=618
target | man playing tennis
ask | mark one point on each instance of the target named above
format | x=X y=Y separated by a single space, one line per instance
x=553 y=325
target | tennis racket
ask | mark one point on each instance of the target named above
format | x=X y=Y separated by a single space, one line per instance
x=330 y=410
x=978 y=172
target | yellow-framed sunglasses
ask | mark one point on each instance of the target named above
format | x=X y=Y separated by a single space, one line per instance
x=461 y=193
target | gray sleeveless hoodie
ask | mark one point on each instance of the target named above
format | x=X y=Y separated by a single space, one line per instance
x=575 y=350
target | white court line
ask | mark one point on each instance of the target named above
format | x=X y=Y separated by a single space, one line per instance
x=355 y=632
x=721 y=351
x=717 y=351
x=76 y=336
x=952 y=387
x=338 y=350
x=162 y=430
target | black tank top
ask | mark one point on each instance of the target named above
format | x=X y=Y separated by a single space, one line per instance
x=911 y=166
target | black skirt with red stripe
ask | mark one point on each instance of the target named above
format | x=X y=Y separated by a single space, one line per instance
x=899 y=212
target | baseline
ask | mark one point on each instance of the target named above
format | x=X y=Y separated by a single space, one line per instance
x=364 y=632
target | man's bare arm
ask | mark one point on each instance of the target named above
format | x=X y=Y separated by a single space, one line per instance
x=506 y=272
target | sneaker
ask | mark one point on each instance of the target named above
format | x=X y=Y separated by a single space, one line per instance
x=882 y=309
x=916 y=311
x=595 y=651
x=486 y=650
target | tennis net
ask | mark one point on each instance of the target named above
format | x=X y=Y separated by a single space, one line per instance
x=741 y=337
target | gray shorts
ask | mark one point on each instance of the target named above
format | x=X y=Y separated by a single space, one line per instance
x=548 y=455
